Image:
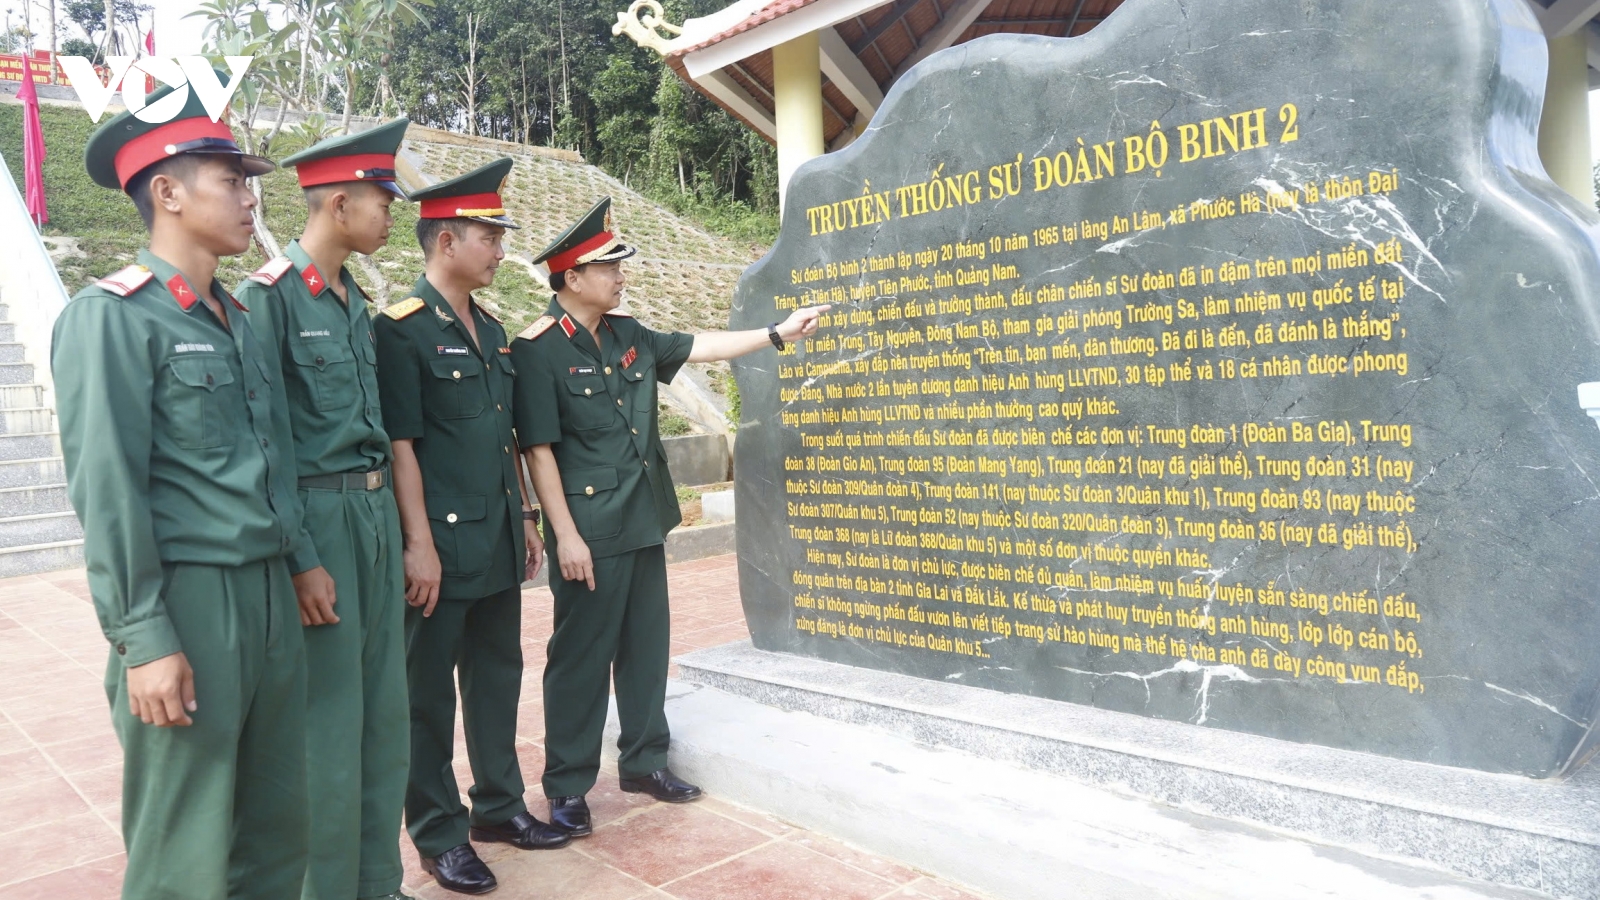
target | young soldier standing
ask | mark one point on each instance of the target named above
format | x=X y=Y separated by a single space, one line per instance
x=446 y=378
x=178 y=464
x=347 y=568
x=587 y=421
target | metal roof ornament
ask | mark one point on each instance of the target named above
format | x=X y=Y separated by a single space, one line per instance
x=640 y=22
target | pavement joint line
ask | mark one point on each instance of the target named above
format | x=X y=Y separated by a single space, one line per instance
x=87 y=862
x=38 y=748
x=726 y=859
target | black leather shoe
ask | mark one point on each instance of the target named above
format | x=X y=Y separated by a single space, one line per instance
x=662 y=785
x=459 y=869
x=571 y=814
x=522 y=831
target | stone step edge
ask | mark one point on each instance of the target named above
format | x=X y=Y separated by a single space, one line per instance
x=53 y=545
x=37 y=516
x=32 y=487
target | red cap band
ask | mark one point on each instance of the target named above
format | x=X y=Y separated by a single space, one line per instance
x=456 y=207
x=561 y=262
x=151 y=147
x=335 y=169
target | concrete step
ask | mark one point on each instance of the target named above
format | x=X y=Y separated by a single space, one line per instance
x=28 y=472
x=11 y=352
x=21 y=396
x=29 y=446
x=31 y=558
x=21 y=531
x=5 y=313
x=37 y=420
x=16 y=373
x=34 y=499
x=8 y=331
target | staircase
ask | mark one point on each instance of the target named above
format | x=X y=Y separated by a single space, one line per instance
x=38 y=530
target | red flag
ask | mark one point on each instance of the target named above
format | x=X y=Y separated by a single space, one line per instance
x=32 y=146
x=150 y=50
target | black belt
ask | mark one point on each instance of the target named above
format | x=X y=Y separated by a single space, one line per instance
x=348 y=481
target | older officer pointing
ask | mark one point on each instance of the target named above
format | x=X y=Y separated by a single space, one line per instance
x=586 y=420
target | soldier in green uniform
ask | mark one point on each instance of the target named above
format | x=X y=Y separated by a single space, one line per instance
x=586 y=420
x=347 y=567
x=445 y=375
x=176 y=440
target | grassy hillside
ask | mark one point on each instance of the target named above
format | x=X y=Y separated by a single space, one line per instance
x=683 y=277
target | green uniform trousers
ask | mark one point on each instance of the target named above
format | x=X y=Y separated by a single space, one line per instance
x=357 y=714
x=218 y=808
x=482 y=641
x=620 y=629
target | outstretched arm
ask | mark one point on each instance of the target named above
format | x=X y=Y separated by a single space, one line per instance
x=715 y=345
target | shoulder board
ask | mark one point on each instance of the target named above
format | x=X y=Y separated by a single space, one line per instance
x=490 y=316
x=404 y=308
x=540 y=326
x=126 y=281
x=272 y=271
x=620 y=314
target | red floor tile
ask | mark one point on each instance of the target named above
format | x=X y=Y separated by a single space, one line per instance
x=102 y=787
x=39 y=802
x=97 y=880
x=92 y=752
x=780 y=871
x=43 y=849
x=889 y=871
x=71 y=724
x=668 y=842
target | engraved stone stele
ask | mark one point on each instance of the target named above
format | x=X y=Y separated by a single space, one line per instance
x=1216 y=366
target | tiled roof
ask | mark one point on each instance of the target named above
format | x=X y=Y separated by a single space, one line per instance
x=766 y=14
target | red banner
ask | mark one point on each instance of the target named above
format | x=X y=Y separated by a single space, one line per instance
x=11 y=69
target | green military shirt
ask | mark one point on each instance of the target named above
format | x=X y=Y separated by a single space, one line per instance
x=176 y=442
x=596 y=406
x=325 y=353
x=454 y=400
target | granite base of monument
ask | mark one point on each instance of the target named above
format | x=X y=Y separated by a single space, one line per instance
x=1022 y=797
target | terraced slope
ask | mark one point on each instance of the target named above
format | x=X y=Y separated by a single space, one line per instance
x=683 y=277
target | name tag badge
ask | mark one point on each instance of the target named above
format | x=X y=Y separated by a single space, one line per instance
x=581 y=370
x=453 y=351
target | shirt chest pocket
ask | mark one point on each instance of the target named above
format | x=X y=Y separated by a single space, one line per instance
x=640 y=379
x=588 y=403
x=328 y=370
x=198 y=402
x=457 y=389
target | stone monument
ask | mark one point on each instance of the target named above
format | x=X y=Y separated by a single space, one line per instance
x=1216 y=367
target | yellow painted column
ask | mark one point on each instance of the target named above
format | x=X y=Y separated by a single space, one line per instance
x=1564 y=126
x=797 y=96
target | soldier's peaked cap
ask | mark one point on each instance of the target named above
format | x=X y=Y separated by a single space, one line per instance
x=590 y=240
x=127 y=145
x=475 y=196
x=363 y=156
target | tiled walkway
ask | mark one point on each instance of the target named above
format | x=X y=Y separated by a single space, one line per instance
x=60 y=779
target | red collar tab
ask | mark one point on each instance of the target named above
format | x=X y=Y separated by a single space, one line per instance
x=462 y=206
x=336 y=169
x=629 y=357
x=159 y=143
x=313 y=279
x=182 y=293
x=561 y=262
x=568 y=327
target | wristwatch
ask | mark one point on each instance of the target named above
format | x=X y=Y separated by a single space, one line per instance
x=772 y=335
x=532 y=515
